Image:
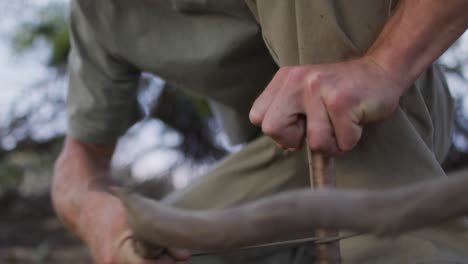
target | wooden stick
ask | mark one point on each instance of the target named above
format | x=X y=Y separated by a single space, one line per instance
x=322 y=175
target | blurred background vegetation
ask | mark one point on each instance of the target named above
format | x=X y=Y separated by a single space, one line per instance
x=182 y=134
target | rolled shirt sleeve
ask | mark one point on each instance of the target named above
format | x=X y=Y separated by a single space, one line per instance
x=102 y=93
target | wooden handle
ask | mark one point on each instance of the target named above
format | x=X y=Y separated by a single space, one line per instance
x=322 y=174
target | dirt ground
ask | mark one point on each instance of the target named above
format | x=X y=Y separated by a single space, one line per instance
x=30 y=233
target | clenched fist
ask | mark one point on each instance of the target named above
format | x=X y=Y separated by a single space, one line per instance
x=328 y=103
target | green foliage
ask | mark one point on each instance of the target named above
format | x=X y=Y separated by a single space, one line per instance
x=60 y=48
x=189 y=115
x=51 y=26
x=201 y=105
x=11 y=176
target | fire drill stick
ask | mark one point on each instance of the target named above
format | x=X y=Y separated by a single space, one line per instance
x=322 y=174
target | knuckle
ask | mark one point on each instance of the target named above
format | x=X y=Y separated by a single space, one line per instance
x=318 y=137
x=314 y=140
x=348 y=140
x=334 y=103
x=284 y=71
x=255 y=118
x=346 y=146
x=270 y=129
x=295 y=70
x=296 y=73
x=315 y=144
x=314 y=81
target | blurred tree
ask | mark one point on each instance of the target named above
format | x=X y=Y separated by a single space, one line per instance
x=37 y=121
x=454 y=63
x=52 y=28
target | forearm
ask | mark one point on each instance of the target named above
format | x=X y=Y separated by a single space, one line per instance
x=416 y=35
x=94 y=215
x=78 y=170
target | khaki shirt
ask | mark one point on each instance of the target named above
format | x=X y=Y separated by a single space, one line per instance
x=213 y=50
x=221 y=49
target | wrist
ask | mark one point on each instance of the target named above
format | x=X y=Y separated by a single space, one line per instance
x=385 y=77
x=77 y=172
x=67 y=195
x=392 y=69
x=398 y=49
x=415 y=36
x=102 y=220
x=93 y=215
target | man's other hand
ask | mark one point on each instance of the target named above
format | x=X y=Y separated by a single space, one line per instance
x=90 y=212
x=332 y=100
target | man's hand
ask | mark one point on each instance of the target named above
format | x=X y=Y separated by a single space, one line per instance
x=334 y=100
x=94 y=215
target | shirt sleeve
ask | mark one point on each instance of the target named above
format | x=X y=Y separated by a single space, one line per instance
x=102 y=93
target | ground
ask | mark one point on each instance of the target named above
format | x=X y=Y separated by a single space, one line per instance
x=30 y=233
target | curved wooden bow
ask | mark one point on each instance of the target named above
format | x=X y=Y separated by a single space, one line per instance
x=382 y=212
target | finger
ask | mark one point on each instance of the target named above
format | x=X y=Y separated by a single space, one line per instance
x=320 y=132
x=286 y=131
x=283 y=121
x=346 y=125
x=171 y=257
x=347 y=132
x=123 y=249
x=127 y=255
x=263 y=102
